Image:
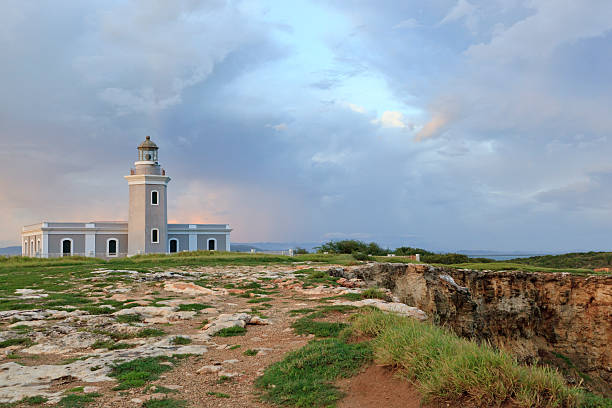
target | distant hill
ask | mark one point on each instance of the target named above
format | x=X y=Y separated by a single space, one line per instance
x=587 y=260
x=12 y=250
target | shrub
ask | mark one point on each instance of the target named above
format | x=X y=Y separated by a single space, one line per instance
x=350 y=246
x=360 y=256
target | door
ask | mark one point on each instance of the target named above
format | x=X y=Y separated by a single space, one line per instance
x=173 y=246
x=66 y=247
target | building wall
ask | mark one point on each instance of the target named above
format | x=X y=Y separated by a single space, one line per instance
x=157 y=217
x=31 y=245
x=203 y=241
x=101 y=240
x=183 y=241
x=143 y=217
x=55 y=242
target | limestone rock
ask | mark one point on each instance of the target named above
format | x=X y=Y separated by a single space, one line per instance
x=189 y=288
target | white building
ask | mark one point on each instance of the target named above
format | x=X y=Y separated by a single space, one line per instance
x=147 y=230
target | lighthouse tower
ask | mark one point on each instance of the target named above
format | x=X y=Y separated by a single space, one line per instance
x=148 y=215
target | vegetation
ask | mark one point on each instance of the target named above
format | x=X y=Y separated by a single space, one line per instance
x=180 y=341
x=129 y=318
x=251 y=352
x=137 y=373
x=77 y=400
x=307 y=325
x=195 y=307
x=352 y=246
x=217 y=394
x=304 y=377
x=583 y=260
x=20 y=341
x=231 y=331
x=164 y=403
x=447 y=368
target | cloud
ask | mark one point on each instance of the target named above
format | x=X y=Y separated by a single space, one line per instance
x=281 y=127
x=356 y=108
x=553 y=24
x=393 y=119
x=434 y=126
x=463 y=9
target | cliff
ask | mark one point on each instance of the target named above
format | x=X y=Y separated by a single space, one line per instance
x=558 y=318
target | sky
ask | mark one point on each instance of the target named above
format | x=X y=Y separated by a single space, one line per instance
x=444 y=124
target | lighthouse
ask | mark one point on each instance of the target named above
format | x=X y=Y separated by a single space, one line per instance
x=148 y=211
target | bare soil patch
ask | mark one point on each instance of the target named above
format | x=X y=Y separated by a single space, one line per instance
x=377 y=387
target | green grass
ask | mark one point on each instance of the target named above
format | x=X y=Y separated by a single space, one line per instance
x=150 y=332
x=77 y=400
x=448 y=369
x=306 y=325
x=217 y=394
x=62 y=274
x=235 y=346
x=251 y=352
x=164 y=403
x=180 y=341
x=129 y=318
x=231 y=331
x=304 y=378
x=111 y=345
x=137 y=373
x=375 y=293
x=20 y=341
x=195 y=307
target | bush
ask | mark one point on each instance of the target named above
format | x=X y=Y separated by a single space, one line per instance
x=407 y=251
x=360 y=256
x=351 y=246
x=300 y=251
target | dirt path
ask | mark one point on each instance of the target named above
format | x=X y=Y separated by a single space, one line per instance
x=376 y=387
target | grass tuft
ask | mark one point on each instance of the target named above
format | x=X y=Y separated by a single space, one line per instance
x=306 y=325
x=137 y=373
x=180 y=341
x=77 y=400
x=447 y=368
x=231 y=331
x=20 y=341
x=164 y=403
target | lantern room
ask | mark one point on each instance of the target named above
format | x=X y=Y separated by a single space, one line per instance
x=147 y=151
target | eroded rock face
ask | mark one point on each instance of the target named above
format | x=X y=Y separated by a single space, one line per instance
x=531 y=314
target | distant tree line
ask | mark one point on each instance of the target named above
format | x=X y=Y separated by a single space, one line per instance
x=361 y=250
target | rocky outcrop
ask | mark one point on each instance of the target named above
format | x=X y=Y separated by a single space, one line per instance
x=535 y=315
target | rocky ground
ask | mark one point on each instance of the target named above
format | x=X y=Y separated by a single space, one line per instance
x=200 y=335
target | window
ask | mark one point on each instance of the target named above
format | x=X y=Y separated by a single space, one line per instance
x=38 y=245
x=32 y=248
x=112 y=247
x=25 y=248
x=154 y=197
x=212 y=244
x=174 y=245
x=155 y=236
x=66 y=247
